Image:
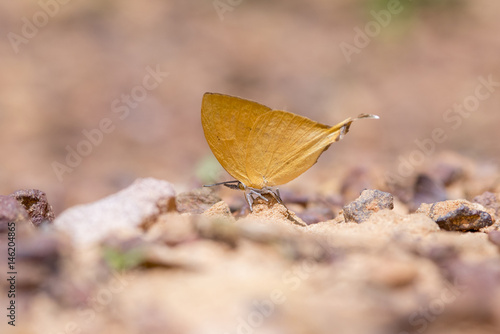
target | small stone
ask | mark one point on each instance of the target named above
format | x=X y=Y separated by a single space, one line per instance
x=457 y=215
x=36 y=204
x=368 y=203
x=11 y=211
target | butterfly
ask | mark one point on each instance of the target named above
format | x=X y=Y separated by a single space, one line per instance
x=261 y=147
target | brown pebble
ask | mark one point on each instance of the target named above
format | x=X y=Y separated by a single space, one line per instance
x=369 y=202
x=36 y=204
x=457 y=215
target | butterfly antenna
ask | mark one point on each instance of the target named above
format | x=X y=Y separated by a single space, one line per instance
x=230 y=184
x=367 y=116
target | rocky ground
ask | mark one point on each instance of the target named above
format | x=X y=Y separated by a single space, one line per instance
x=416 y=253
x=147 y=260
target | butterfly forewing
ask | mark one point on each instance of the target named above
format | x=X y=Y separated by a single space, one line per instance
x=227 y=122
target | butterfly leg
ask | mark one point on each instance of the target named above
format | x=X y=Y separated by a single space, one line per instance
x=258 y=194
x=279 y=196
x=276 y=195
x=250 y=199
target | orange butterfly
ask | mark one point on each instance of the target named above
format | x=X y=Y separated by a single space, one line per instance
x=262 y=148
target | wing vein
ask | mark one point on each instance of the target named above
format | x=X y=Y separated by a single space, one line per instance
x=277 y=147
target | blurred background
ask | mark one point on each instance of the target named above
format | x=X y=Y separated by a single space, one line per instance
x=82 y=113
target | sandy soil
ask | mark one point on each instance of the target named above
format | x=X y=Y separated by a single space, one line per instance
x=97 y=94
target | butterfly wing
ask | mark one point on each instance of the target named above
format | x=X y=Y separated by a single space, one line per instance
x=227 y=122
x=283 y=145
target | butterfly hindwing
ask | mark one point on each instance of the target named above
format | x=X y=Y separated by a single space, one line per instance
x=283 y=145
